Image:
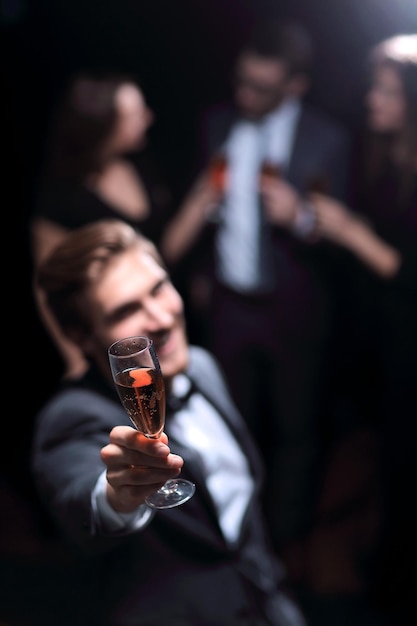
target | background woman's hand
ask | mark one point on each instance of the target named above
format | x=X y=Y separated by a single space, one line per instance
x=333 y=220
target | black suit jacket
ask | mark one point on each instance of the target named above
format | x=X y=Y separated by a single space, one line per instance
x=302 y=272
x=178 y=570
x=320 y=155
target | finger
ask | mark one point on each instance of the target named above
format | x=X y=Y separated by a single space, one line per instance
x=130 y=438
x=135 y=476
x=127 y=498
x=115 y=456
x=132 y=492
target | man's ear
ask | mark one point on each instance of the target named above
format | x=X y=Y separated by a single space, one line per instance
x=298 y=85
x=80 y=338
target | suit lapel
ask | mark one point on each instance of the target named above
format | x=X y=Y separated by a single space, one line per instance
x=200 y=513
x=210 y=383
x=301 y=146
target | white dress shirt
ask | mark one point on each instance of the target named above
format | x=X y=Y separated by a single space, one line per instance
x=229 y=482
x=239 y=235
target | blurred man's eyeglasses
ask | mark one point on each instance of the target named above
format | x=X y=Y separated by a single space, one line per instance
x=257 y=87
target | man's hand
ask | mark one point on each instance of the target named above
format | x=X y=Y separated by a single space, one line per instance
x=281 y=202
x=136 y=467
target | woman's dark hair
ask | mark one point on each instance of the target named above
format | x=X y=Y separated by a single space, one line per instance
x=82 y=121
x=399 y=53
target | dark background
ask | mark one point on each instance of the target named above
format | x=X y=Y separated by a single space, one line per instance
x=182 y=51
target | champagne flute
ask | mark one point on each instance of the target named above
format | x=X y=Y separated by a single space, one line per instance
x=218 y=172
x=139 y=382
x=270 y=169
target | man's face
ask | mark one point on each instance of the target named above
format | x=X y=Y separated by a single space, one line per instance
x=261 y=85
x=136 y=297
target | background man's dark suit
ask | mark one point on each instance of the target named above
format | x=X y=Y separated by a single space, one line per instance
x=272 y=345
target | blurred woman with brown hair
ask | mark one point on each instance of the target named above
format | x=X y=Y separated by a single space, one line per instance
x=378 y=234
x=96 y=166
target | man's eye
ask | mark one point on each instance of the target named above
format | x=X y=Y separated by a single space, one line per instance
x=122 y=314
x=161 y=286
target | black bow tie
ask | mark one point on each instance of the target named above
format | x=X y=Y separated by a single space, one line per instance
x=176 y=402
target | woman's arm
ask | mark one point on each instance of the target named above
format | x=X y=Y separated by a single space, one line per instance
x=182 y=232
x=339 y=225
x=45 y=235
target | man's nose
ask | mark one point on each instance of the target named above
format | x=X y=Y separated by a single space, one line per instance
x=157 y=316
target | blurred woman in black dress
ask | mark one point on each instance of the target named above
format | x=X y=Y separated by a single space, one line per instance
x=97 y=165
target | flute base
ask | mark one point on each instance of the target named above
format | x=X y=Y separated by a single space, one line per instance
x=173 y=493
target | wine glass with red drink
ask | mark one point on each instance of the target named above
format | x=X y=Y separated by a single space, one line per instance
x=218 y=172
x=139 y=382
